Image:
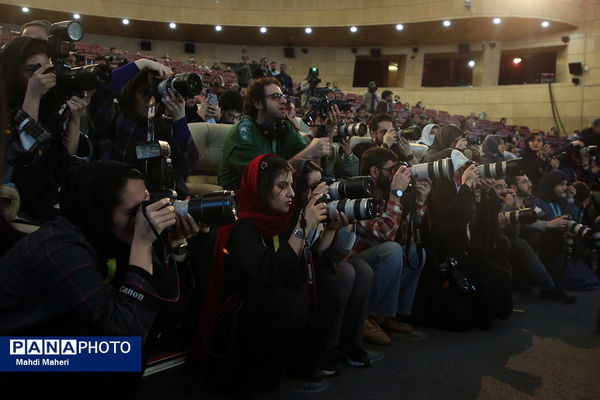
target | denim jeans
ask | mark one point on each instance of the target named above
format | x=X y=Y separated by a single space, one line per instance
x=523 y=257
x=393 y=287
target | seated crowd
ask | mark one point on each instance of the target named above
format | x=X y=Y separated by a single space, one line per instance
x=335 y=244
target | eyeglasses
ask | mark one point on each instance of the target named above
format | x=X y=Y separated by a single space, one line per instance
x=525 y=182
x=277 y=96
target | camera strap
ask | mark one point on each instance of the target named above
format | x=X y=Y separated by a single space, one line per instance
x=151 y=114
x=311 y=282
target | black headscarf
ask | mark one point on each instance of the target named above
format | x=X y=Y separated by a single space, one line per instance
x=88 y=197
x=442 y=141
x=491 y=154
x=547 y=184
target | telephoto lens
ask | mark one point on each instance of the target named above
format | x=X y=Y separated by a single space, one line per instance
x=356 y=129
x=352 y=188
x=187 y=84
x=501 y=169
x=213 y=208
x=523 y=216
x=83 y=78
x=440 y=169
x=360 y=209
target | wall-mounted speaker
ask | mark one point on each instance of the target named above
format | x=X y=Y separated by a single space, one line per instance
x=375 y=52
x=190 y=48
x=575 y=68
x=354 y=50
x=304 y=50
x=145 y=45
x=288 y=52
x=464 y=48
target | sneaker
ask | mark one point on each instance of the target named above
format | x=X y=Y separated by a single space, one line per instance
x=391 y=325
x=374 y=356
x=374 y=334
x=557 y=294
x=356 y=357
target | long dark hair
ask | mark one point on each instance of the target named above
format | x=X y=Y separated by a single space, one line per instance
x=12 y=58
x=271 y=167
x=127 y=96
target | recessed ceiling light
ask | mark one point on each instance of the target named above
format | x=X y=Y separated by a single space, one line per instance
x=263 y=30
x=172 y=25
x=125 y=21
x=446 y=23
x=399 y=27
x=308 y=30
x=496 y=21
x=353 y=29
x=76 y=16
x=218 y=28
x=517 y=60
x=471 y=63
x=545 y=24
x=25 y=9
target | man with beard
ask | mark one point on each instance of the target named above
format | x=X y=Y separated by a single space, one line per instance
x=526 y=265
x=385 y=244
x=264 y=129
x=383 y=134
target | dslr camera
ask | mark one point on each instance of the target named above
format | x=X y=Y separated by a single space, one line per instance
x=524 y=216
x=353 y=197
x=214 y=208
x=412 y=133
x=590 y=237
x=474 y=140
x=444 y=169
x=188 y=85
x=73 y=81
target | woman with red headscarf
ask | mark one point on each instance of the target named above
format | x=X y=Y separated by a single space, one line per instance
x=260 y=260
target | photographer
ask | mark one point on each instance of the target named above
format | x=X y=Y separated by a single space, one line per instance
x=260 y=260
x=524 y=261
x=92 y=272
x=463 y=225
x=384 y=134
x=428 y=134
x=382 y=244
x=536 y=161
x=450 y=137
x=559 y=252
x=119 y=127
x=264 y=129
x=45 y=140
x=342 y=286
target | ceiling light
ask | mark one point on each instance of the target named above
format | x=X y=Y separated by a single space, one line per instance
x=308 y=30
x=218 y=28
x=393 y=67
x=263 y=30
x=76 y=16
x=545 y=24
x=125 y=21
x=353 y=29
x=496 y=21
x=446 y=23
x=399 y=27
x=172 y=25
x=471 y=63
x=25 y=9
x=517 y=60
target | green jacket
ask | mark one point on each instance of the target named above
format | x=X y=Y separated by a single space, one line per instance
x=244 y=142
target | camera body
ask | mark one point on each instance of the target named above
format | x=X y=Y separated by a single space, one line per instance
x=321 y=105
x=73 y=81
x=411 y=133
x=523 y=216
x=214 y=208
x=474 y=140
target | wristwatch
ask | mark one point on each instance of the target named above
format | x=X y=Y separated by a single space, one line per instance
x=180 y=249
x=398 y=192
x=299 y=233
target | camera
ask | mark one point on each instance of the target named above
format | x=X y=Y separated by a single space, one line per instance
x=352 y=188
x=187 y=84
x=589 y=236
x=355 y=129
x=411 y=133
x=360 y=209
x=592 y=151
x=500 y=169
x=73 y=81
x=524 y=216
x=321 y=105
x=451 y=270
x=214 y=208
x=440 y=169
x=474 y=140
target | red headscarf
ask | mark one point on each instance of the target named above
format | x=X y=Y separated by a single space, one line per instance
x=253 y=207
